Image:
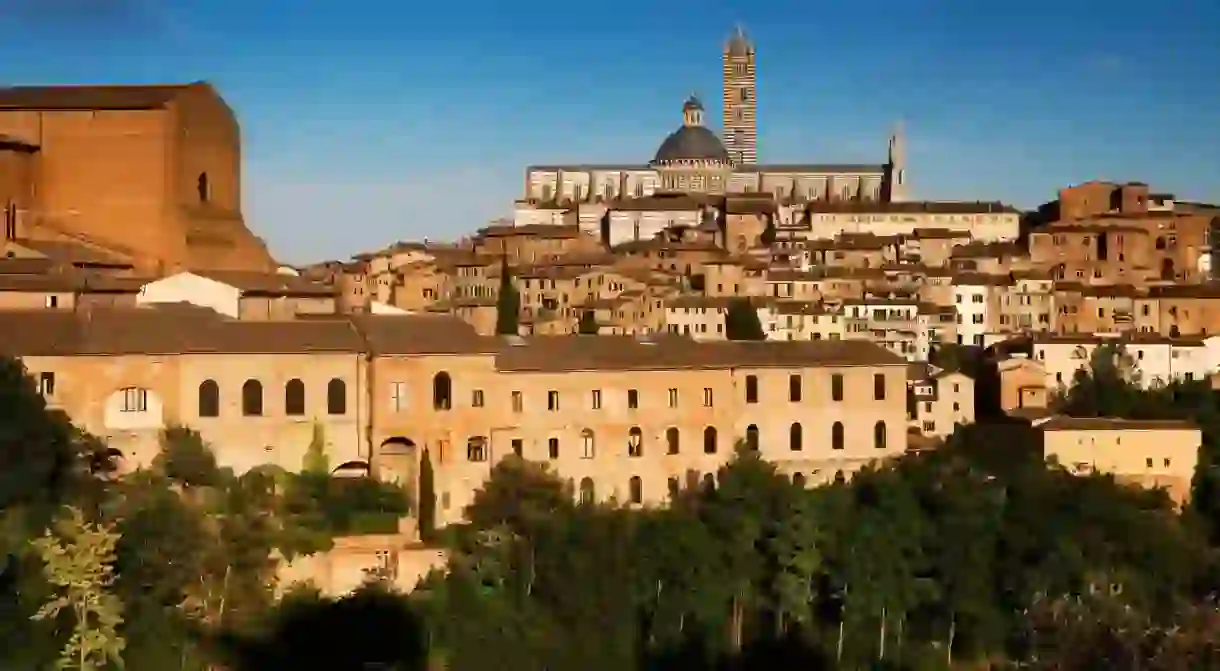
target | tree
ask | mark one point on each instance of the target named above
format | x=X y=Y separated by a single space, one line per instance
x=588 y=323
x=186 y=459
x=741 y=321
x=316 y=460
x=79 y=562
x=426 y=508
x=508 y=303
x=518 y=495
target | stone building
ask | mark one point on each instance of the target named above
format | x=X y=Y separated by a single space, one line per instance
x=620 y=417
x=148 y=174
x=694 y=159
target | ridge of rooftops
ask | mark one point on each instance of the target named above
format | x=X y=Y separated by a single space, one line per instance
x=179 y=328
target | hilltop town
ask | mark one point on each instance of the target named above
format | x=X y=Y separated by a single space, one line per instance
x=693 y=302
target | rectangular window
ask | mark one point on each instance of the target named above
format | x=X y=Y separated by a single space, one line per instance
x=552 y=448
x=518 y=402
x=673 y=397
x=751 y=389
x=595 y=400
x=707 y=397
x=398 y=396
x=794 y=388
x=879 y=386
x=476 y=398
x=46 y=384
x=518 y=446
x=552 y=401
x=836 y=387
x=135 y=400
x=633 y=399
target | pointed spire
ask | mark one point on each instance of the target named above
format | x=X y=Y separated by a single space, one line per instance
x=739 y=43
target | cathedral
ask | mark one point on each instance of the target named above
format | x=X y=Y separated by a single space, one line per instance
x=694 y=159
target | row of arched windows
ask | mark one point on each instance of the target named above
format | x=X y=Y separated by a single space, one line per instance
x=635 y=487
x=252 y=398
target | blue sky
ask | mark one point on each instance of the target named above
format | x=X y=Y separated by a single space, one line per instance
x=369 y=121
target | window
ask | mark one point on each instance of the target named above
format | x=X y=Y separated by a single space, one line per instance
x=673 y=397
x=635 y=442
x=879 y=386
x=336 y=397
x=552 y=448
x=586 y=491
x=294 y=398
x=879 y=435
x=202 y=188
x=752 y=438
x=46 y=384
x=635 y=489
x=442 y=391
x=398 y=396
x=707 y=397
x=476 y=448
x=673 y=440
x=252 y=398
x=798 y=480
x=633 y=399
x=552 y=401
x=209 y=399
x=795 y=438
x=518 y=446
x=836 y=436
x=836 y=387
x=52 y=301
x=751 y=389
x=794 y=388
x=595 y=400
x=709 y=440
x=135 y=400
x=709 y=481
x=675 y=488
x=476 y=398
x=587 y=446
x=518 y=402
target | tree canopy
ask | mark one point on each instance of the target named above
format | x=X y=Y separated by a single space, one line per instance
x=741 y=321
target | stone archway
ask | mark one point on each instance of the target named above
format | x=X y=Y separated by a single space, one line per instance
x=351 y=469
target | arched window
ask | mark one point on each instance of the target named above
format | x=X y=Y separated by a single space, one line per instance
x=879 y=435
x=752 y=438
x=442 y=391
x=673 y=440
x=587 y=495
x=587 y=444
x=635 y=442
x=202 y=188
x=635 y=489
x=795 y=439
x=252 y=398
x=836 y=436
x=709 y=440
x=840 y=478
x=209 y=399
x=294 y=398
x=336 y=397
x=798 y=479
x=709 y=481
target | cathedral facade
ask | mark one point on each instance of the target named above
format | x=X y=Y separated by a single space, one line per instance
x=695 y=159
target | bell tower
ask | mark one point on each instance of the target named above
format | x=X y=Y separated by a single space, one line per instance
x=740 y=99
x=896 y=167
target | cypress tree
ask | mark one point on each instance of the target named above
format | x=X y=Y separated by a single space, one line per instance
x=508 y=303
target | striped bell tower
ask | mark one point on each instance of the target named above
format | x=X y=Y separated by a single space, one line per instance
x=740 y=100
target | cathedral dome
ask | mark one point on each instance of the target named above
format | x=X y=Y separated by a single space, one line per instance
x=693 y=141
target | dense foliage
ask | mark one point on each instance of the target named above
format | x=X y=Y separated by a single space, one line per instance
x=978 y=554
x=508 y=303
x=741 y=321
